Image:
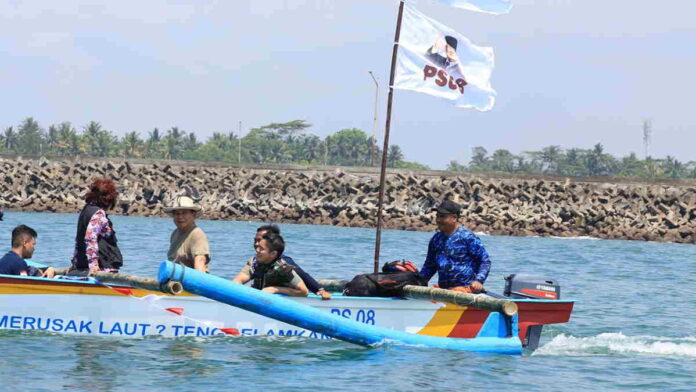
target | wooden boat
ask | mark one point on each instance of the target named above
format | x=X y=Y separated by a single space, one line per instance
x=88 y=307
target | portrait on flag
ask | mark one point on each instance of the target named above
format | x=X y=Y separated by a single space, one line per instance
x=444 y=54
x=436 y=60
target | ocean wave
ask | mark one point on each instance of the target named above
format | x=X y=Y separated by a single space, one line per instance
x=619 y=344
x=582 y=237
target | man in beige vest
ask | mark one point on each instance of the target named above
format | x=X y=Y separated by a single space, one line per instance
x=188 y=244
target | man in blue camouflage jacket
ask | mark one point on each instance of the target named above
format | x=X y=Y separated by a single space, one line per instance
x=455 y=253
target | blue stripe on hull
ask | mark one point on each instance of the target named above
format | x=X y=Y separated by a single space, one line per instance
x=283 y=309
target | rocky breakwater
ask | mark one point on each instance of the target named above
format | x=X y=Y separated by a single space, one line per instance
x=348 y=197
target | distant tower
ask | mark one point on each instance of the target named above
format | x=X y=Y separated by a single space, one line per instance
x=647 y=133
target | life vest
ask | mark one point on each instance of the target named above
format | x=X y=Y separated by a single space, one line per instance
x=109 y=255
x=277 y=273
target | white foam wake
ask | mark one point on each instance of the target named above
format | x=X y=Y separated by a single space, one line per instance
x=582 y=237
x=618 y=343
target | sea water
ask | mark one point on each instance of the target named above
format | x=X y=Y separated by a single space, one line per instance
x=633 y=327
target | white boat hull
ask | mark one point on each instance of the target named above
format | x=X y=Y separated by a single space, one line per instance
x=91 y=308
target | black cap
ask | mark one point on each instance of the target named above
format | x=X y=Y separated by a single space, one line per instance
x=448 y=207
x=451 y=41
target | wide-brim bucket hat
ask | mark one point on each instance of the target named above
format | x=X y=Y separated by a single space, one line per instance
x=184 y=203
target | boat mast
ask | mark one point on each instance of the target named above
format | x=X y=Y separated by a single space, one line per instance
x=385 y=149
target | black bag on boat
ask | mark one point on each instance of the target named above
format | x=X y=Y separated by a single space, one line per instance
x=381 y=285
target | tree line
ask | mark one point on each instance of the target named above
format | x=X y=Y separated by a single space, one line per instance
x=575 y=162
x=275 y=143
x=290 y=142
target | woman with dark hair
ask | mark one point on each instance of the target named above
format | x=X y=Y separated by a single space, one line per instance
x=96 y=247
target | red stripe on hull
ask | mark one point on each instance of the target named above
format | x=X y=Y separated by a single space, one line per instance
x=530 y=313
x=469 y=323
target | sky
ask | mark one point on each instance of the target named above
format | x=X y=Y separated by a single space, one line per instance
x=571 y=73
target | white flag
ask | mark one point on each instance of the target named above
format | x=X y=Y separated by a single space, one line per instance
x=436 y=60
x=488 y=6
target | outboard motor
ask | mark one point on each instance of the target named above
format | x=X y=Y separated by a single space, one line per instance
x=524 y=286
x=531 y=286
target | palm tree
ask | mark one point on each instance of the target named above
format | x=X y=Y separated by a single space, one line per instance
x=671 y=167
x=222 y=141
x=105 y=144
x=534 y=164
x=521 y=165
x=132 y=145
x=190 y=143
x=154 y=136
x=77 y=145
x=631 y=166
x=596 y=161
x=232 y=141
x=52 y=139
x=91 y=136
x=312 y=148
x=394 y=156
x=348 y=147
x=479 y=160
x=573 y=162
x=456 y=166
x=30 y=137
x=69 y=142
x=10 y=139
x=690 y=169
x=550 y=157
x=276 y=152
x=502 y=160
x=357 y=151
x=652 y=167
x=153 y=146
x=173 y=143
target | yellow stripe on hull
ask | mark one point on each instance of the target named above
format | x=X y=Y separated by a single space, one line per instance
x=444 y=320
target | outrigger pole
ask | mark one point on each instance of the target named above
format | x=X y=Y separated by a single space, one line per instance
x=138 y=282
x=383 y=170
